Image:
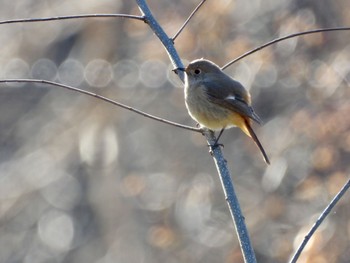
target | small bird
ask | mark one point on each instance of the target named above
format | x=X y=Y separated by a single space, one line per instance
x=216 y=101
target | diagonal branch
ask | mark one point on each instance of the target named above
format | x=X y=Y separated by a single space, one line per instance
x=45 y=19
x=55 y=84
x=187 y=20
x=284 y=38
x=319 y=221
x=220 y=162
x=163 y=37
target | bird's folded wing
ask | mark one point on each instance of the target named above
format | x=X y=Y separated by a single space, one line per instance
x=234 y=102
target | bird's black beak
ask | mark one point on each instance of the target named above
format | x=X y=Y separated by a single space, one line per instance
x=176 y=70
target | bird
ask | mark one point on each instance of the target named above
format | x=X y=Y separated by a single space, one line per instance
x=217 y=101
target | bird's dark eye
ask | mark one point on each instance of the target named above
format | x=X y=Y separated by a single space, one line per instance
x=197 y=71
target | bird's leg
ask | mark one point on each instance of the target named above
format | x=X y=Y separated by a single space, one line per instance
x=221 y=132
x=216 y=144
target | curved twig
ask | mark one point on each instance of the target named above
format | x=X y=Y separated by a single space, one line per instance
x=284 y=38
x=319 y=221
x=45 y=19
x=101 y=98
x=187 y=20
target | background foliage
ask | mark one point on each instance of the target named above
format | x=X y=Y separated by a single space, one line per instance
x=83 y=181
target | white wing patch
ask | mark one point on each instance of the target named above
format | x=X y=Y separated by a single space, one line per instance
x=230 y=97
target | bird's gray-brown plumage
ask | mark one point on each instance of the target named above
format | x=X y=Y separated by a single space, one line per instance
x=217 y=101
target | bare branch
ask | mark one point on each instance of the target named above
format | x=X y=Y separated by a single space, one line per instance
x=284 y=38
x=319 y=221
x=221 y=165
x=163 y=37
x=44 y=19
x=101 y=98
x=187 y=20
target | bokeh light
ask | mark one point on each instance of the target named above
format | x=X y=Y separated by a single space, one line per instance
x=153 y=73
x=71 y=72
x=44 y=69
x=126 y=73
x=56 y=230
x=98 y=73
x=84 y=181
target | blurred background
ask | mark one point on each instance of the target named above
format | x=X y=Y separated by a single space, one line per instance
x=85 y=181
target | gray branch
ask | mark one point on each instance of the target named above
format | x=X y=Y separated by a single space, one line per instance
x=225 y=177
x=319 y=221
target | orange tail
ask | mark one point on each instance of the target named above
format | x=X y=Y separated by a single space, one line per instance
x=249 y=131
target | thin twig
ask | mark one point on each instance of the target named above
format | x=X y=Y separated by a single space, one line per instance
x=187 y=20
x=319 y=221
x=101 y=98
x=221 y=165
x=284 y=38
x=45 y=19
